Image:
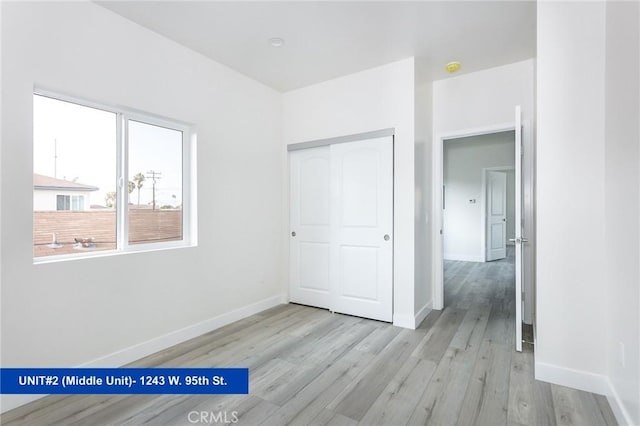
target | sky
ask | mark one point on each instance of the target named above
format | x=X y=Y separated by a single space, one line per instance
x=85 y=142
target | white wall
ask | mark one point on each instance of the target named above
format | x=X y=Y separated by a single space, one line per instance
x=1 y=150
x=622 y=206
x=570 y=171
x=464 y=161
x=422 y=163
x=588 y=140
x=374 y=99
x=487 y=98
x=82 y=49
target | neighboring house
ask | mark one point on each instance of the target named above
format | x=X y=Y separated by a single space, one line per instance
x=58 y=194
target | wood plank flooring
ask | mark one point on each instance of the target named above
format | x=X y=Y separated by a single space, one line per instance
x=311 y=367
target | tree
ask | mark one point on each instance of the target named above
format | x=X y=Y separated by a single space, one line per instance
x=138 y=179
x=110 y=199
x=132 y=186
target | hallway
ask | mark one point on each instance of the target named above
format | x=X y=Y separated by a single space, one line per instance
x=488 y=283
x=488 y=288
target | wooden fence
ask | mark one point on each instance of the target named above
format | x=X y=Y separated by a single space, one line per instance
x=145 y=226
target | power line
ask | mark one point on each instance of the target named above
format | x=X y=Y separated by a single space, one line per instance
x=55 y=158
x=153 y=175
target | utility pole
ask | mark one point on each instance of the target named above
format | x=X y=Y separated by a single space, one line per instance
x=55 y=158
x=153 y=175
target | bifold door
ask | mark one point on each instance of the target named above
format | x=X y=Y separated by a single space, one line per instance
x=341 y=242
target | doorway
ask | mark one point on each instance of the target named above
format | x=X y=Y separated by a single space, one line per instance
x=522 y=291
x=478 y=218
x=478 y=196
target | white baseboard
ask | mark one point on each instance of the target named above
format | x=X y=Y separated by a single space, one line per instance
x=577 y=379
x=404 y=321
x=141 y=350
x=622 y=415
x=589 y=382
x=463 y=257
x=412 y=322
x=422 y=314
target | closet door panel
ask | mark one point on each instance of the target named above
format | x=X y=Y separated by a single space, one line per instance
x=361 y=262
x=310 y=217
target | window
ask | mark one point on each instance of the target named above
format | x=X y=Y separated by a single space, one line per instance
x=63 y=202
x=77 y=202
x=155 y=168
x=70 y=202
x=106 y=179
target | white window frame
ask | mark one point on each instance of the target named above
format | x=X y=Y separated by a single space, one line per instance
x=123 y=116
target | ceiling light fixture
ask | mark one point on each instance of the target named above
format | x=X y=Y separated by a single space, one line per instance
x=276 y=41
x=452 y=67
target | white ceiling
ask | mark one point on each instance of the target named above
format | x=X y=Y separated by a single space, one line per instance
x=324 y=40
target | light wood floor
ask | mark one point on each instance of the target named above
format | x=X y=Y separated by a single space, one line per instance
x=311 y=367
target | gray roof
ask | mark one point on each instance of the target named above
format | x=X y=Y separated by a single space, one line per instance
x=48 y=183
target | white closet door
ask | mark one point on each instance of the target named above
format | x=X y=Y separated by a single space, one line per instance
x=310 y=221
x=362 y=228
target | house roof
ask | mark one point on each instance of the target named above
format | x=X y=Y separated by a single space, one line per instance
x=49 y=183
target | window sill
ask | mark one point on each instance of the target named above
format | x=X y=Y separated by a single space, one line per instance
x=141 y=248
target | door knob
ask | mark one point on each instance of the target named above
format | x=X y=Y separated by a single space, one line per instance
x=293 y=234
x=386 y=237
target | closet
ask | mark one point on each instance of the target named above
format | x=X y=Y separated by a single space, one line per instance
x=341 y=226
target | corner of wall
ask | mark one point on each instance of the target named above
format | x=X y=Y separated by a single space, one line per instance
x=423 y=101
x=422 y=313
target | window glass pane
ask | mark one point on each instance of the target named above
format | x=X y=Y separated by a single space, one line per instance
x=155 y=183
x=74 y=166
x=77 y=202
x=62 y=202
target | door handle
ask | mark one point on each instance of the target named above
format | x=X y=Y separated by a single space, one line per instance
x=518 y=240
x=293 y=234
x=386 y=237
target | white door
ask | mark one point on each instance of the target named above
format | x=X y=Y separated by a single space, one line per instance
x=496 y=215
x=362 y=228
x=341 y=217
x=310 y=219
x=519 y=240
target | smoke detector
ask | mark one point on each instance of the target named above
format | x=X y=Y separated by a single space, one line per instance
x=452 y=67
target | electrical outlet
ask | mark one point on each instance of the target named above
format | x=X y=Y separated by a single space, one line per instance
x=622 y=354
